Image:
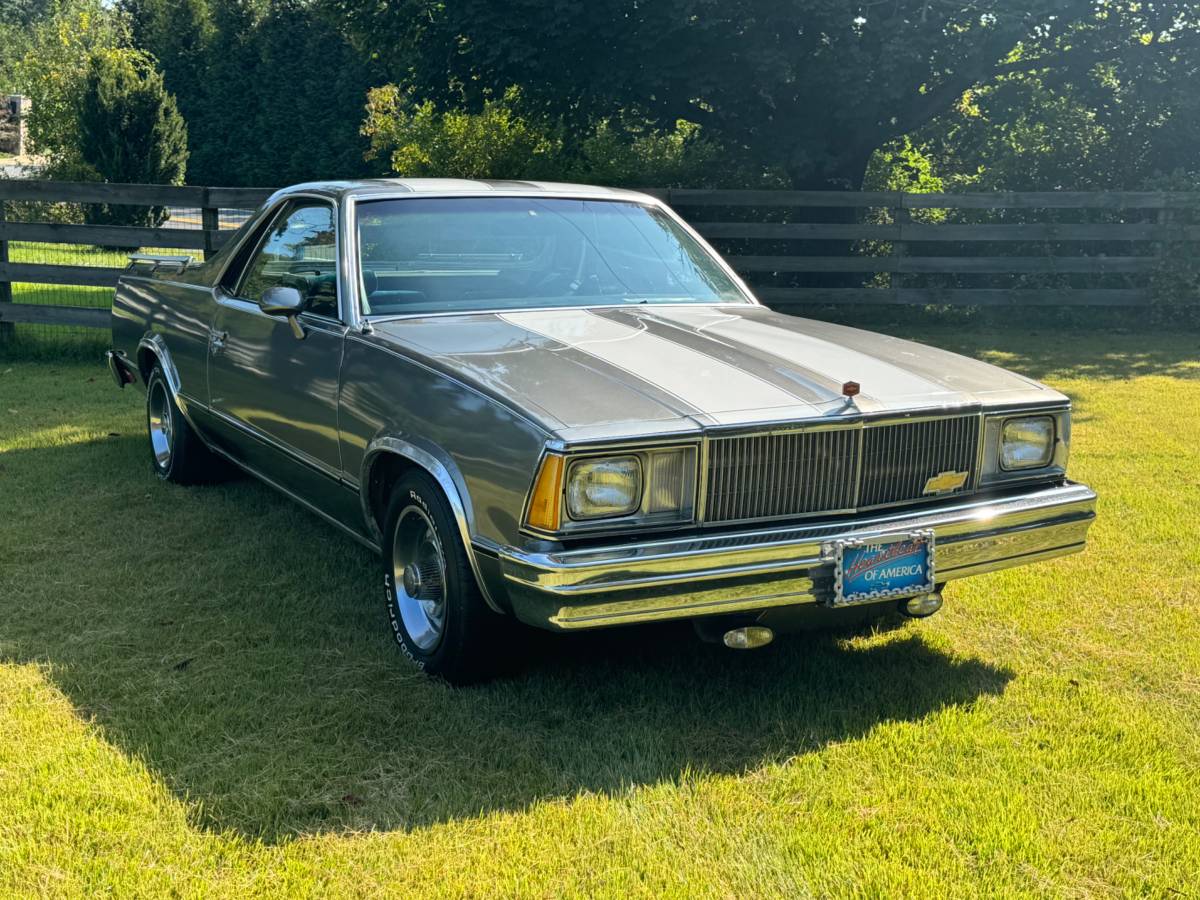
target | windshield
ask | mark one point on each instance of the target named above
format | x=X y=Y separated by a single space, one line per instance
x=474 y=253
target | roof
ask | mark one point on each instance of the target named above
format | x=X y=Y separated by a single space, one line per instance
x=442 y=186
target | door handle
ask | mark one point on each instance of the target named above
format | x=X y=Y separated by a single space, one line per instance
x=216 y=341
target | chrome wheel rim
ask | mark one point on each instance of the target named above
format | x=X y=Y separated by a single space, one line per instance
x=419 y=577
x=161 y=423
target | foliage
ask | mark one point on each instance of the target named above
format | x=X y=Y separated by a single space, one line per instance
x=497 y=142
x=1175 y=287
x=809 y=88
x=272 y=91
x=56 y=46
x=129 y=130
x=508 y=139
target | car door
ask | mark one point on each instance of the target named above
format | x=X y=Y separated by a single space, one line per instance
x=273 y=389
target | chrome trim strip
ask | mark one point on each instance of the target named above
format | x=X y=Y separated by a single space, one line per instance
x=298 y=456
x=250 y=470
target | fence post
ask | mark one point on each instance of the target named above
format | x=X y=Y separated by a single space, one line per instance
x=901 y=215
x=6 y=328
x=210 y=221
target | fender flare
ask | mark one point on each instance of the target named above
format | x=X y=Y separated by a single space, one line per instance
x=443 y=472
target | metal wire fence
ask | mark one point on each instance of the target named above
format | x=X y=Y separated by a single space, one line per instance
x=75 y=275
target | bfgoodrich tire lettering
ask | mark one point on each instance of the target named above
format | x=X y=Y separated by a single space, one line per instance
x=437 y=614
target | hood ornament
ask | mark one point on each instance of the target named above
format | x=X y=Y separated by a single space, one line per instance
x=850 y=390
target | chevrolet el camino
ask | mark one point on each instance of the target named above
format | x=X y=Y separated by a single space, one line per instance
x=557 y=406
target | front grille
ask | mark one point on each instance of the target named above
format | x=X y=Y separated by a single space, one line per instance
x=804 y=472
x=899 y=459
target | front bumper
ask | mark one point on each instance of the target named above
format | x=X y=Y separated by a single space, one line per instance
x=758 y=570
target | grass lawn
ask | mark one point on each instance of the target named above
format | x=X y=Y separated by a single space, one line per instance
x=198 y=696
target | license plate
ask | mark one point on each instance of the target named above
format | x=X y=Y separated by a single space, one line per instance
x=881 y=568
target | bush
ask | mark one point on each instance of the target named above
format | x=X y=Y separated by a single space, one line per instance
x=504 y=139
x=497 y=142
x=129 y=131
x=1175 y=286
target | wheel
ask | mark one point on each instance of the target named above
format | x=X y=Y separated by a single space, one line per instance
x=177 y=453
x=436 y=610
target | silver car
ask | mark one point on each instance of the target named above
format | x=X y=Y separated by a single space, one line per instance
x=556 y=406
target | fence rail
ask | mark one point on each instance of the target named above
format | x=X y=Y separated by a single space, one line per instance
x=795 y=247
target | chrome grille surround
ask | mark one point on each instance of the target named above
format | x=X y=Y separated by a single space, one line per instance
x=838 y=469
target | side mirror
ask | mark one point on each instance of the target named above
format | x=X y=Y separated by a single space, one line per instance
x=284 y=301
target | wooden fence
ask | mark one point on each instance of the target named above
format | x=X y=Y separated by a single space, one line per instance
x=794 y=247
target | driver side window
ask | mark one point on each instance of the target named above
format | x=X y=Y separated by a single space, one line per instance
x=299 y=250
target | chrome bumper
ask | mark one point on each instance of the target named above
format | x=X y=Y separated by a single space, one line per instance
x=757 y=570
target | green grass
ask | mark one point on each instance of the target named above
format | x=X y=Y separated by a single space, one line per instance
x=198 y=697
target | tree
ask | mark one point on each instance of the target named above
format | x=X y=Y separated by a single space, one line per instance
x=1120 y=123
x=272 y=90
x=809 y=87
x=130 y=131
x=49 y=63
x=507 y=140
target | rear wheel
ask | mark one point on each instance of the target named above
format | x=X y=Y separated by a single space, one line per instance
x=176 y=452
x=436 y=610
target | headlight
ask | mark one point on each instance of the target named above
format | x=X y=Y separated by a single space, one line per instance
x=603 y=488
x=1027 y=443
x=638 y=487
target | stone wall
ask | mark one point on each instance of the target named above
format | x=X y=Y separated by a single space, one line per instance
x=14 y=110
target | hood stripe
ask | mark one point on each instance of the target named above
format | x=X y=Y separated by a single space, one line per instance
x=695 y=378
x=786 y=374
x=835 y=362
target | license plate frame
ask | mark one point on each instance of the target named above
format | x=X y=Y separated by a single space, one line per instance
x=868 y=555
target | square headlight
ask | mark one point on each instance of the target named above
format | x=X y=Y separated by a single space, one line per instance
x=1027 y=443
x=604 y=488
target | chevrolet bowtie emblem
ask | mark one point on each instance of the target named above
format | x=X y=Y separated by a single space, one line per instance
x=944 y=482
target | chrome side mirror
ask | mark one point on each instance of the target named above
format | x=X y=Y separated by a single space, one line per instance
x=284 y=301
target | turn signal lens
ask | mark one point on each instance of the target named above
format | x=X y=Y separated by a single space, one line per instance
x=545 y=506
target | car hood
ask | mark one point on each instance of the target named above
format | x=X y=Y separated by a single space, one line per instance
x=612 y=372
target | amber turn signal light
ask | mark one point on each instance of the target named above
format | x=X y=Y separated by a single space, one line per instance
x=545 y=505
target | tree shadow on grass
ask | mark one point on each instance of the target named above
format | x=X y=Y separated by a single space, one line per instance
x=1053 y=354
x=237 y=645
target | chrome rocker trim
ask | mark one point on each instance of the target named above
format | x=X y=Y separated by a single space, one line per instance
x=758 y=570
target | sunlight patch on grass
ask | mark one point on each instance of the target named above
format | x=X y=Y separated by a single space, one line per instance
x=198 y=696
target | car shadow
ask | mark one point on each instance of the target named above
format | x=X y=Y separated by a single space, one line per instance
x=237 y=646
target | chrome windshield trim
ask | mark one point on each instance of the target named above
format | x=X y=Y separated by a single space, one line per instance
x=366 y=195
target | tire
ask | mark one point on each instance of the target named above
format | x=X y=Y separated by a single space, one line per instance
x=436 y=611
x=176 y=452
